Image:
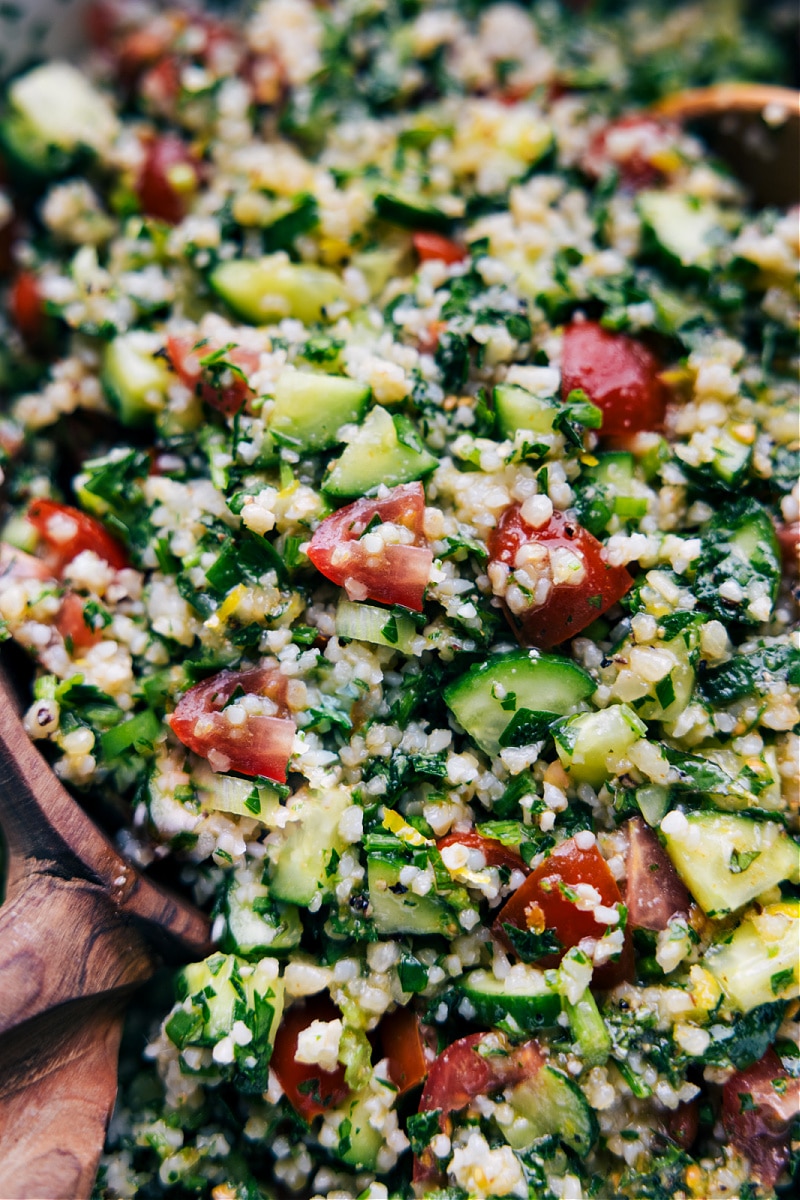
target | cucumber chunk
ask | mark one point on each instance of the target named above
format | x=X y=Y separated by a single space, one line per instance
x=401 y=910
x=725 y=462
x=411 y=212
x=759 y=963
x=684 y=230
x=589 y=1029
x=267 y=289
x=366 y=623
x=310 y=408
x=726 y=860
x=301 y=870
x=54 y=115
x=387 y=449
x=134 y=380
x=230 y=794
x=363 y=1142
x=485 y=699
x=521 y=1003
x=661 y=699
x=255 y=924
x=590 y=744
x=550 y=1103
x=517 y=408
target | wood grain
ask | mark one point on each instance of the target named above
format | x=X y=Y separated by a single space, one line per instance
x=79 y=928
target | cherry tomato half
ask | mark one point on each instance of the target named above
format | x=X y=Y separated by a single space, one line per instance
x=654 y=891
x=567 y=607
x=548 y=900
x=217 y=374
x=618 y=373
x=495 y=853
x=396 y=574
x=168 y=179
x=66 y=532
x=308 y=1088
x=758 y=1106
x=401 y=1044
x=256 y=745
x=72 y=625
x=432 y=246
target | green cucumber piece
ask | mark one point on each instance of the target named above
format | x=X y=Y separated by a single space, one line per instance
x=517 y=408
x=386 y=449
x=550 y=1104
x=366 y=623
x=588 y=744
x=666 y=698
x=759 y=963
x=267 y=289
x=727 y=464
x=256 y=924
x=485 y=699
x=521 y=1003
x=224 y=989
x=301 y=870
x=363 y=1142
x=135 y=380
x=218 y=792
x=588 y=1029
x=684 y=230
x=402 y=911
x=411 y=212
x=54 y=116
x=310 y=408
x=726 y=860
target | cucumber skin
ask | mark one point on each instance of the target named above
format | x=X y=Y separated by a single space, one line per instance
x=470 y=696
x=406 y=912
x=529 y=1012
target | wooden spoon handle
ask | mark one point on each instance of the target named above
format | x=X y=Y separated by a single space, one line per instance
x=43 y=825
x=58 y=1083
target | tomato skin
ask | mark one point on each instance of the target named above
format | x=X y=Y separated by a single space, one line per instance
x=185 y=356
x=261 y=746
x=541 y=898
x=569 y=608
x=87 y=534
x=618 y=373
x=459 y=1075
x=633 y=160
x=683 y=1123
x=71 y=624
x=495 y=853
x=654 y=891
x=401 y=1044
x=757 y=1117
x=399 y=575
x=26 y=305
x=789 y=541
x=167 y=158
x=331 y=1088
x=433 y=246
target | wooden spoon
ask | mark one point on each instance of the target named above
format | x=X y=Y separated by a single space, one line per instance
x=755 y=127
x=80 y=928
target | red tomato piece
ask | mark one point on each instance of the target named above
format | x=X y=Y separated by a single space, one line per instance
x=683 y=1123
x=633 y=146
x=401 y=1044
x=26 y=305
x=222 y=383
x=71 y=624
x=654 y=891
x=618 y=373
x=758 y=1106
x=460 y=1074
x=161 y=84
x=789 y=541
x=168 y=180
x=568 y=607
x=495 y=853
x=398 y=574
x=66 y=531
x=432 y=246
x=261 y=745
x=548 y=900
x=308 y=1088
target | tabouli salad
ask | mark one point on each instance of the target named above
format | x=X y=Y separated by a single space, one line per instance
x=400 y=453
